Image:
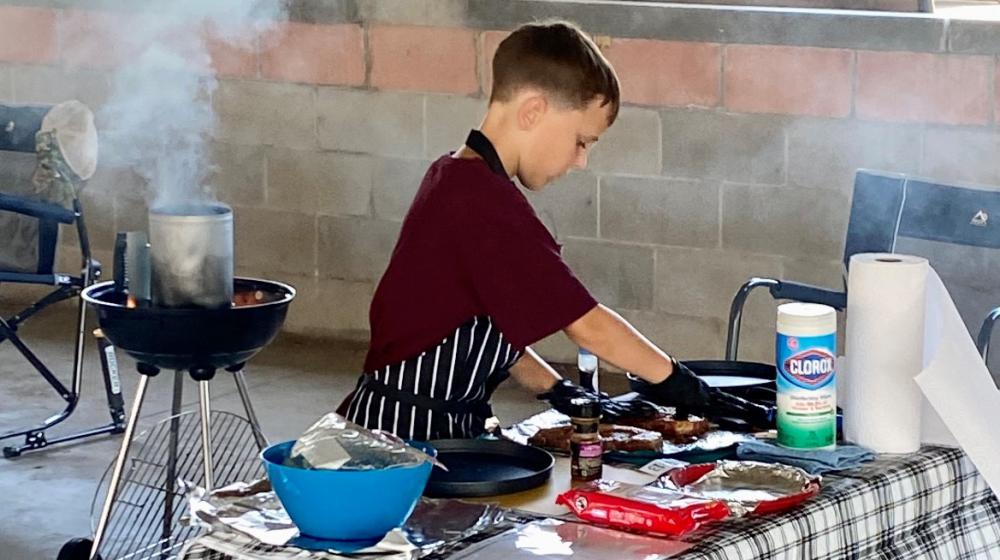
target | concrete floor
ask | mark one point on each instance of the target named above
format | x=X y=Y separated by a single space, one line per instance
x=47 y=494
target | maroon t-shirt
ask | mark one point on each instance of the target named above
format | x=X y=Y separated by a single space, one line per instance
x=471 y=245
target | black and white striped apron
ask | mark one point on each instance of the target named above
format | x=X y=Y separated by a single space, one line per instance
x=441 y=393
x=444 y=392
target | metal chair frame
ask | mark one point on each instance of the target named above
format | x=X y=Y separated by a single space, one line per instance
x=876 y=195
x=24 y=124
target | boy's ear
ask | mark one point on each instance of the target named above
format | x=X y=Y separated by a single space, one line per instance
x=531 y=110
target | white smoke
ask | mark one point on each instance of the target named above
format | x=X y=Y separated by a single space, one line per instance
x=159 y=118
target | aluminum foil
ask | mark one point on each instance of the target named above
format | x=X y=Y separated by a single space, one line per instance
x=253 y=510
x=333 y=442
x=555 y=539
x=743 y=485
x=660 y=496
x=712 y=441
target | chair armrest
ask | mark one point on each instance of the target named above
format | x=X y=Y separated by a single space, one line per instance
x=779 y=289
x=37 y=209
x=986 y=333
x=809 y=294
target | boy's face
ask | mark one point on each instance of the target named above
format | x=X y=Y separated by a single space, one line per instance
x=559 y=140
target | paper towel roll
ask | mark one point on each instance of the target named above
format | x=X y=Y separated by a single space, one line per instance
x=963 y=399
x=884 y=345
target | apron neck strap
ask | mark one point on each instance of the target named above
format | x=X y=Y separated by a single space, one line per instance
x=480 y=144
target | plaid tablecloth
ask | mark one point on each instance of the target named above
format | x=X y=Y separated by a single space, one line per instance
x=233 y=546
x=931 y=504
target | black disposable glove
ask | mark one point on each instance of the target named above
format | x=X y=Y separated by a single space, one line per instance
x=682 y=390
x=688 y=393
x=564 y=391
x=616 y=410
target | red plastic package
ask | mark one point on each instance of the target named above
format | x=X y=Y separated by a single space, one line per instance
x=640 y=508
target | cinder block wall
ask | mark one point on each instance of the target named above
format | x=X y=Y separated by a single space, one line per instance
x=733 y=157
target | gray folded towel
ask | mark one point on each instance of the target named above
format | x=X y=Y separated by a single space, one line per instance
x=813 y=461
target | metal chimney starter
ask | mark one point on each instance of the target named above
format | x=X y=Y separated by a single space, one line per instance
x=192 y=255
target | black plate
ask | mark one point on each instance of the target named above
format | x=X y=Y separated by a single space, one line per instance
x=753 y=381
x=750 y=380
x=485 y=467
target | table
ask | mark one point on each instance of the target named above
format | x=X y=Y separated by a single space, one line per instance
x=929 y=504
x=542 y=500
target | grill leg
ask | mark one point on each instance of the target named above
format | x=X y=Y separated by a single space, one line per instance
x=116 y=473
x=241 y=386
x=206 y=432
x=171 y=476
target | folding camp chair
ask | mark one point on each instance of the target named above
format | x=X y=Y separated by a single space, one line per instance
x=39 y=130
x=951 y=226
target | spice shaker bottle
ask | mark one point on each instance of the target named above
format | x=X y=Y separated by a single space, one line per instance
x=586 y=448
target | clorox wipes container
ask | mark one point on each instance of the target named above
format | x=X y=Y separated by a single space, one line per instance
x=807 y=388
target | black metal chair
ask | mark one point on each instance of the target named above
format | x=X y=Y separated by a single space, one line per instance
x=19 y=130
x=986 y=333
x=950 y=225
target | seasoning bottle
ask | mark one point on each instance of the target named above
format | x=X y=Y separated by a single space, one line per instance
x=586 y=449
x=587 y=364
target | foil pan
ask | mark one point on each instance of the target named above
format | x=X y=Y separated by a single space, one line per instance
x=745 y=486
x=714 y=440
x=657 y=495
x=253 y=510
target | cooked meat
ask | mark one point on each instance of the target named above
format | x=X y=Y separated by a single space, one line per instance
x=628 y=438
x=552 y=438
x=615 y=438
x=676 y=431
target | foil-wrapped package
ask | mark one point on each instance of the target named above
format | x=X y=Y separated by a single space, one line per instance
x=334 y=442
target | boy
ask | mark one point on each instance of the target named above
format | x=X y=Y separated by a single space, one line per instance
x=475 y=278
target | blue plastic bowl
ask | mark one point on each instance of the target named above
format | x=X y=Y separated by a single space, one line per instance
x=345 y=505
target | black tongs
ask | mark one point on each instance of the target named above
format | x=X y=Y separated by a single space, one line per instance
x=726 y=406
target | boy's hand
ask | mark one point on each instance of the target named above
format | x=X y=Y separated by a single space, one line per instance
x=682 y=389
x=561 y=395
x=564 y=391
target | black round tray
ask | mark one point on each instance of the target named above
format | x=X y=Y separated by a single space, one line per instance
x=750 y=380
x=486 y=467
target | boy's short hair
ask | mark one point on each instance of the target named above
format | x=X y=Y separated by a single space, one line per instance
x=559 y=58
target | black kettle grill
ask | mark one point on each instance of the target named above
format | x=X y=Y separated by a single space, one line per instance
x=198 y=341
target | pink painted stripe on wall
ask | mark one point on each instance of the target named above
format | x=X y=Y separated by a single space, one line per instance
x=788 y=80
x=922 y=87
